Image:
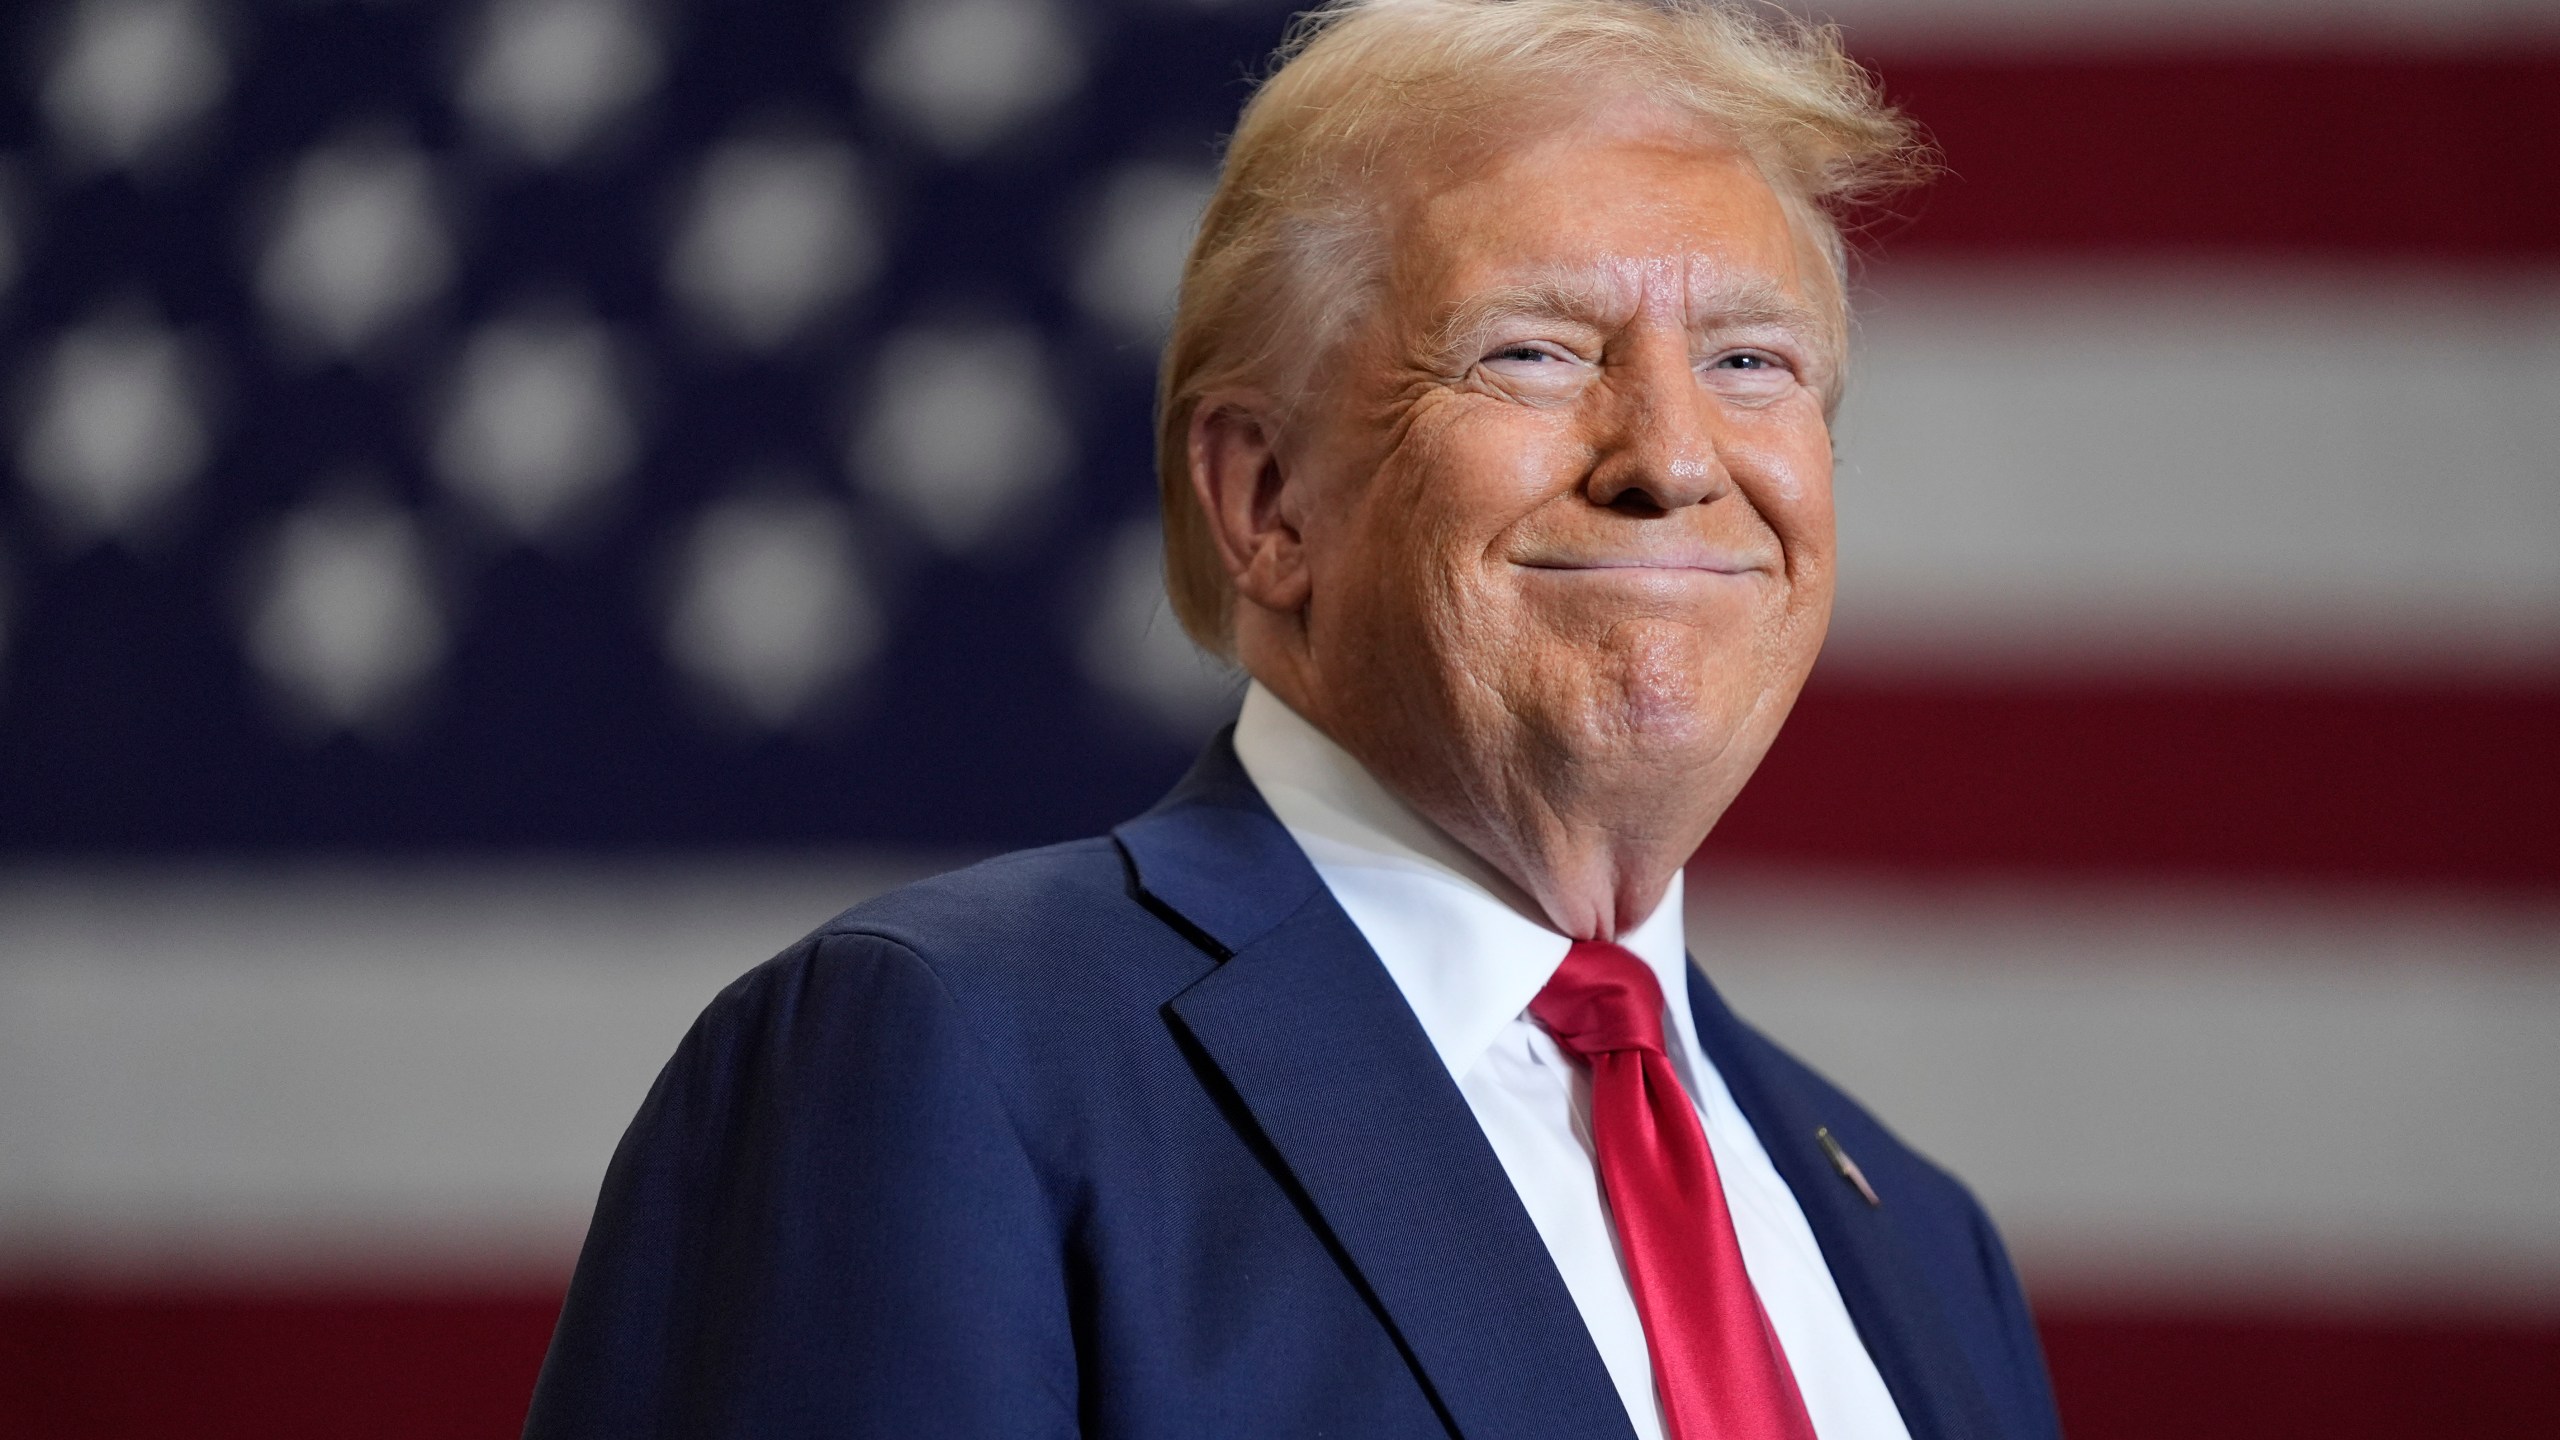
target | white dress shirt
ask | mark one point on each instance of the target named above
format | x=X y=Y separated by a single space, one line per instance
x=1469 y=951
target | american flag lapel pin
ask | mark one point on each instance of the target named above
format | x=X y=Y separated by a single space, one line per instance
x=1847 y=1167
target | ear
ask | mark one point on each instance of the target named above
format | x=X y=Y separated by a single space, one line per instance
x=1252 y=506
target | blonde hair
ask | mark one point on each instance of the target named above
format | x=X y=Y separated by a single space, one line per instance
x=1291 y=244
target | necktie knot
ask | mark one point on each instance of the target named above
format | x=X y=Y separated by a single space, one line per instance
x=1601 y=999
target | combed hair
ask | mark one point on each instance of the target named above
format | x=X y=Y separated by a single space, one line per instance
x=1291 y=247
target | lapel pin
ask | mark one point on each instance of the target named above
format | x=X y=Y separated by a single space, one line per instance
x=1847 y=1167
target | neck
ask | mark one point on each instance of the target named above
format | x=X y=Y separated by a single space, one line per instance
x=1596 y=858
x=1593 y=845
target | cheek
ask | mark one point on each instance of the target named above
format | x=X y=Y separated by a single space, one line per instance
x=1458 y=486
x=1786 y=468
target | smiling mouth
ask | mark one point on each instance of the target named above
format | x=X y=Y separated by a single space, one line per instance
x=1649 y=565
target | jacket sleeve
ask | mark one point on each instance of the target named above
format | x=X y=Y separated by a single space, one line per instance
x=822 y=1221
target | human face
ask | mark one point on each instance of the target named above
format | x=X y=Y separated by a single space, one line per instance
x=1568 y=530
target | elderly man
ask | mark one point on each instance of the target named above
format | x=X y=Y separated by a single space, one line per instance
x=1362 y=1087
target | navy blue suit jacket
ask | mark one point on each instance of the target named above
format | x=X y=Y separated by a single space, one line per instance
x=1134 y=1137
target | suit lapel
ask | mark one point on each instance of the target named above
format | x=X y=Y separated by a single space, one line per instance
x=1896 y=1314
x=1311 y=1034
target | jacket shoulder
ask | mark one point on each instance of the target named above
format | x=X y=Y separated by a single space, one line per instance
x=1049 y=967
x=1062 y=914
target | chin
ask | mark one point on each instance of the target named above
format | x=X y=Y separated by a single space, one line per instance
x=1665 y=699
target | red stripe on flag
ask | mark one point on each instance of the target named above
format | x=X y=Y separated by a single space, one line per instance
x=2153 y=1376
x=211 y=1365
x=2424 y=784
x=79 y=1365
x=2417 y=156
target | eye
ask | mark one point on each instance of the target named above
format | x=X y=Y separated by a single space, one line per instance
x=1749 y=375
x=1533 y=367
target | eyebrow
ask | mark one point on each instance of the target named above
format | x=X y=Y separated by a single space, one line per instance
x=1587 y=300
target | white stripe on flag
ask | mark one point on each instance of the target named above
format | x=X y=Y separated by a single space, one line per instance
x=2083 y=468
x=425 y=1068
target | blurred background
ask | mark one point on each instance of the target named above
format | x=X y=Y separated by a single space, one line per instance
x=511 y=512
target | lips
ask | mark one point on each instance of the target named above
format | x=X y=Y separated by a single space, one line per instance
x=1697 y=559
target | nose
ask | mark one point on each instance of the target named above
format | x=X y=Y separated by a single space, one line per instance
x=1656 y=441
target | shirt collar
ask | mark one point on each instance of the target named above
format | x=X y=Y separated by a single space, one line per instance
x=1466 y=947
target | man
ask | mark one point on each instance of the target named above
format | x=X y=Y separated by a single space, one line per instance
x=1362 y=1088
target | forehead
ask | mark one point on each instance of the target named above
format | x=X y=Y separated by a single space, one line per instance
x=1609 y=216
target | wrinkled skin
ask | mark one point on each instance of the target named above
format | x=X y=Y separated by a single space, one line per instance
x=1548 y=546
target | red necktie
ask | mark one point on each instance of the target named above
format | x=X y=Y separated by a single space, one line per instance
x=1716 y=1362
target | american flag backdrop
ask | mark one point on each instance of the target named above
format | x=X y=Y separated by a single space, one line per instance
x=510 y=512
